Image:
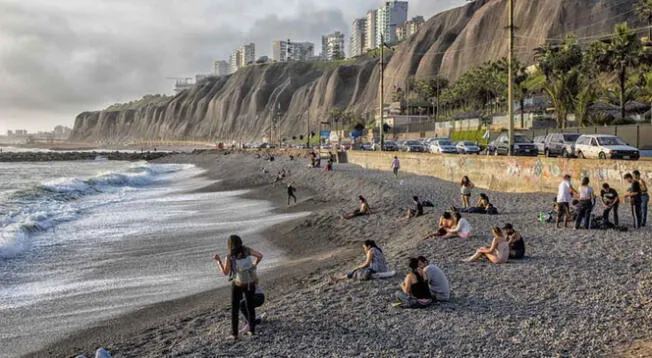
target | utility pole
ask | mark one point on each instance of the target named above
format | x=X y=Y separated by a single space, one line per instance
x=382 y=92
x=510 y=77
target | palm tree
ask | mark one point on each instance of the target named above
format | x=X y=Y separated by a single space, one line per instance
x=618 y=54
x=644 y=10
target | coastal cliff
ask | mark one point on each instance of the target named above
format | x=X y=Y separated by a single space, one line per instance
x=300 y=95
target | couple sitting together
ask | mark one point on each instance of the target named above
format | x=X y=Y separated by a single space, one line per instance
x=483 y=206
x=424 y=284
x=506 y=244
x=452 y=225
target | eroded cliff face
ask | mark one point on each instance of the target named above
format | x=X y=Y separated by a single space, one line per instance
x=300 y=95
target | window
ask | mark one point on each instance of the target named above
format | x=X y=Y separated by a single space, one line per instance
x=594 y=143
x=571 y=137
x=610 y=141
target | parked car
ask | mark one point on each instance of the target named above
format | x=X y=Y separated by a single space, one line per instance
x=604 y=146
x=466 y=147
x=521 y=145
x=442 y=145
x=345 y=146
x=413 y=146
x=367 y=146
x=560 y=144
x=540 y=143
x=391 y=146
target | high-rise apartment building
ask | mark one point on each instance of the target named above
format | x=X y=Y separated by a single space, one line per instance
x=247 y=54
x=388 y=18
x=370 y=31
x=235 y=61
x=221 y=68
x=409 y=28
x=332 y=46
x=358 y=39
x=295 y=51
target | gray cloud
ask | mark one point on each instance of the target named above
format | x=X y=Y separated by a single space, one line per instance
x=60 y=58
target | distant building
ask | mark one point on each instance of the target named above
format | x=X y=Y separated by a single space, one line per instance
x=10 y=133
x=221 y=68
x=388 y=18
x=332 y=46
x=61 y=132
x=294 y=51
x=235 y=61
x=370 y=31
x=409 y=28
x=358 y=39
x=247 y=54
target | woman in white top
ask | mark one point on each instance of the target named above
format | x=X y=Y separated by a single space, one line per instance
x=586 y=204
x=461 y=229
x=497 y=253
x=465 y=191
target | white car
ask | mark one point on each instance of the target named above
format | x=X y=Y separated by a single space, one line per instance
x=466 y=147
x=604 y=146
x=442 y=145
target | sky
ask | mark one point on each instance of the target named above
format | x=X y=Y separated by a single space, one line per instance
x=60 y=58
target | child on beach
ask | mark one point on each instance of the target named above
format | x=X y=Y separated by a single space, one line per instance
x=374 y=263
x=465 y=191
x=497 y=253
x=364 y=209
x=242 y=273
x=414 y=292
x=396 y=165
x=291 y=190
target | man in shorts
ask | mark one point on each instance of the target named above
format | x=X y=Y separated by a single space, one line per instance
x=564 y=195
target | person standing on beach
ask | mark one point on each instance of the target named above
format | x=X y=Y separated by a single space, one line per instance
x=586 y=204
x=564 y=194
x=241 y=270
x=610 y=200
x=645 y=197
x=396 y=165
x=634 y=194
x=465 y=191
x=291 y=190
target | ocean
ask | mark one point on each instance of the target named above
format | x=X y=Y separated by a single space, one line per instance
x=81 y=242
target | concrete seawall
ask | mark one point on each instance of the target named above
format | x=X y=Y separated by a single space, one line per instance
x=508 y=174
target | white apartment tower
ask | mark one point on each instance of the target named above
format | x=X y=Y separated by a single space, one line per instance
x=221 y=68
x=332 y=46
x=294 y=51
x=247 y=54
x=358 y=38
x=370 y=31
x=235 y=61
x=388 y=18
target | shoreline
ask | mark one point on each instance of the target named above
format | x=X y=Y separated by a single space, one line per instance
x=325 y=320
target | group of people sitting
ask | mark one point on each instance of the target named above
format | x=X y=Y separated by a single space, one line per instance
x=452 y=224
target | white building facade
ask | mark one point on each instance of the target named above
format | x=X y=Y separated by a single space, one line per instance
x=282 y=51
x=358 y=39
x=388 y=18
x=221 y=68
x=370 y=31
x=332 y=46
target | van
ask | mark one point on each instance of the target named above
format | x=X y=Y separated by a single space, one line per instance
x=604 y=146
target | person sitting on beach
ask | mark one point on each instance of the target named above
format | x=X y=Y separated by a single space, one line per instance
x=414 y=212
x=446 y=222
x=242 y=273
x=415 y=292
x=374 y=263
x=437 y=281
x=465 y=191
x=515 y=242
x=279 y=177
x=462 y=228
x=481 y=207
x=364 y=209
x=497 y=253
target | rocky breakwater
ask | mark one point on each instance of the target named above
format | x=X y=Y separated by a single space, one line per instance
x=72 y=156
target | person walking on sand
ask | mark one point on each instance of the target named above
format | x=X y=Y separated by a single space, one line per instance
x=645 y=196
x=396 y=165
x=465 y=190
x=291 y=190
x=564 y=194
x=586 y=204
x=634 y=195
x=241 y=270
x=610 y=200
x=497 y=253
x=374 y=263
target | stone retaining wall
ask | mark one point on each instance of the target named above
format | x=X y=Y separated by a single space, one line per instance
x=508 y=174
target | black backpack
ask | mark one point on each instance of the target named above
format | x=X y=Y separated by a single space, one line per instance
x=427 y=204
x=492 y=210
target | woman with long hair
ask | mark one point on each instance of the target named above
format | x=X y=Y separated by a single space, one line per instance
x=465 y=191
x=241 y=270
x=497 y=253
x=374 y=263
x=414 y=292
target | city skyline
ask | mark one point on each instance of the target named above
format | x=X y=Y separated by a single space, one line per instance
x=61 y=59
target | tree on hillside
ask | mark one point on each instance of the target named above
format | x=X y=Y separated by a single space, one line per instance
x=617 y=55
x=644 y=11
x=560 y=64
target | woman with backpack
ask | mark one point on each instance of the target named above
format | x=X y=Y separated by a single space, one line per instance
x=241 y=270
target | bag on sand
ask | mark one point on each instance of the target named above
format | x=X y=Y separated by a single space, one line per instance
x=362 y=274
x=492 y=210
x=244 y=271
x=427 y=204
